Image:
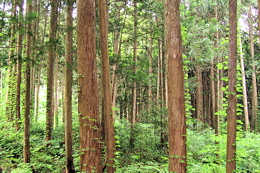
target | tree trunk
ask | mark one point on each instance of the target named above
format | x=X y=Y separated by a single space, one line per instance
x=159 y=72
x=231 y=110
x=19 y=68
x=246 y=116
x=90 y=148
x=254 y=80
x=199 y=95
x=37 y=94
x=150 y=72
x=107 y=99
x=68 y=89
x=26 y=149
x=134 y=89
x=10 y=95
x=176 y=107
x=40 y=67
x=213 y=94
x=52 y=48
x=117 y=52
x=56 y=93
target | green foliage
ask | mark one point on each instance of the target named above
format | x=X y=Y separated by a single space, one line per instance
x=43 y=158
x=146 y=143
x=149 y=167
x=203 y=150
x=248 y=153
x=11 y=146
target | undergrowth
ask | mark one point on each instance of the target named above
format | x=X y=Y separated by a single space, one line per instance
x=206 y=151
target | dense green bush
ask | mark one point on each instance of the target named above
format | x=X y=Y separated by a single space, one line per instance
x=146 y=147
x=11 y=146
x=43 y=158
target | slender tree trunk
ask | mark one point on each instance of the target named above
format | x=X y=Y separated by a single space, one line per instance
x=150 y=74
x=19 y=68
x=114 y=90
x=199 y=95
x=159 y=72
x=206 y=97
x=37 y=94
x=134 y=93
x=246 y=115
x=254 y=80
x=68 y=89
x=213 y=93
x=117 y=54
x=10 y=95
x=90 y=148
x=176 y=101
x=50 y=93
x=134 y=89
x=107 y=99
x=40 y=66
x=231 y=110
x=56 y=93
x=26 y=149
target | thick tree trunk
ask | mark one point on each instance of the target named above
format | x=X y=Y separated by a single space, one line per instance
x=90 y=148
x=51 y=57
x=26 y=149
x=231 y=110
x=176 y=101
x=68 y=89
x=107 y=99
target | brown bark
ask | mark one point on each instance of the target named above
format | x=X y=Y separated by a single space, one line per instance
x=213 y=94
x=90 y=148
x=150 y=74
x=117 y=54
x=37 y=94
x=107 y=99
x=176 y=107
x=40 y=66
x=231 y=110
x=134 y=88
x=51 y=57
x=254 y=80
x=11 y=72
x=19 y=68
x=159 y=72
x=199 y=95
x=68 y=89
x=26 y=149
x=246 y=115
x=56 y=93
x=134 y=91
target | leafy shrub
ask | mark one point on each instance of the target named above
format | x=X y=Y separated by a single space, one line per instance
x=11 y=147
x=146 y=143
x=149 y=167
